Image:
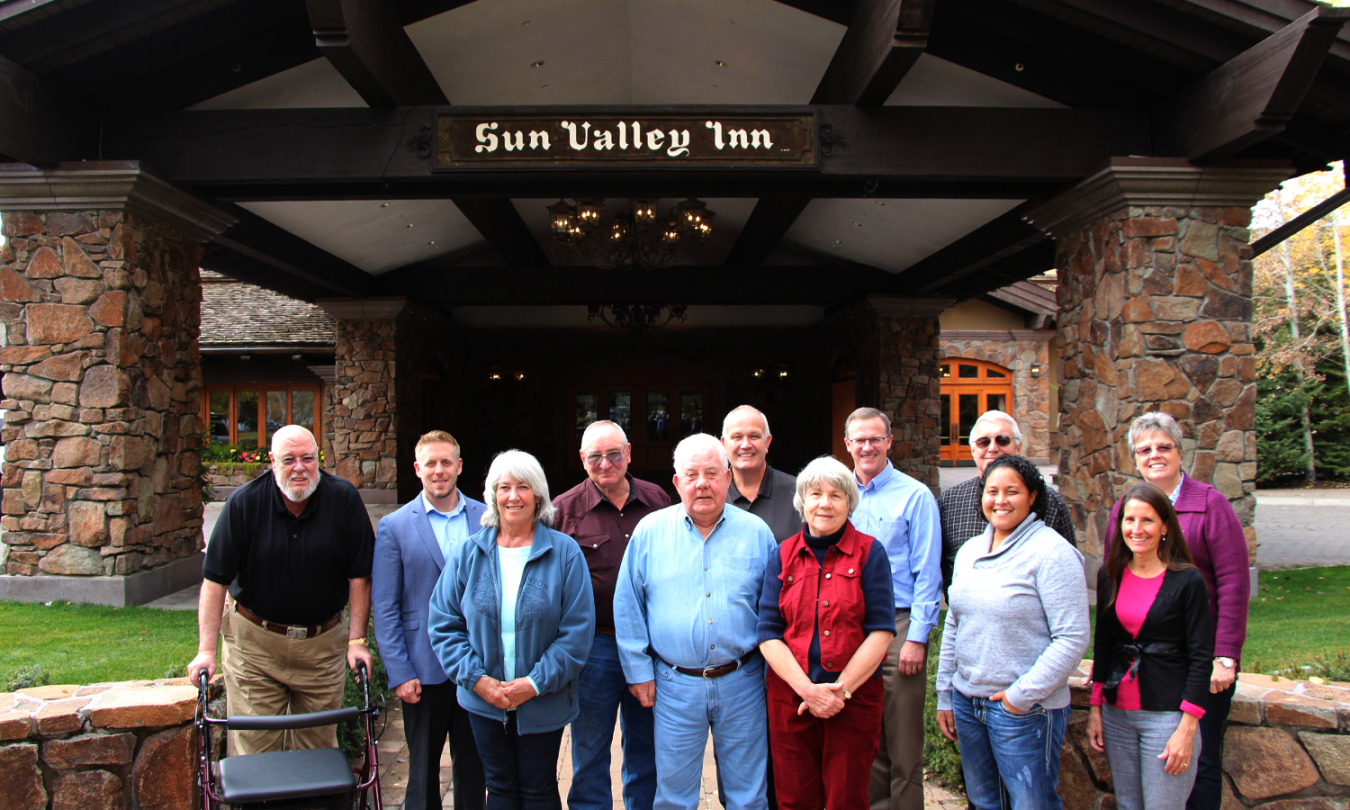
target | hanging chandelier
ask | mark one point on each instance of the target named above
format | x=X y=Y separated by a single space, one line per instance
x=633 y=238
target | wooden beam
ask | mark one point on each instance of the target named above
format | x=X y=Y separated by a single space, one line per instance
x=764 y=229
x=1301 y=221
x=997 y=239
x=501 y=225
x=63 y=33
x=1252 y=96
x=359 y=153
x=364 y=40
x=882 y=43
x=277 y=247
x=462 y=285
x=38 y=123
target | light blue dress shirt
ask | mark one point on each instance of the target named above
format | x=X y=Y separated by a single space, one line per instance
x=690 y=601
x=903 y=514
x=450 y=527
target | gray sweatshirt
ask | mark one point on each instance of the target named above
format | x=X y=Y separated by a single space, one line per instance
x=1018 y=619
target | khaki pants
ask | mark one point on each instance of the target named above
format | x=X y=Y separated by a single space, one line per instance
x=897 y=772
x=269 y=674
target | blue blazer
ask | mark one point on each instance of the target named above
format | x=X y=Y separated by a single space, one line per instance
x=408 y=561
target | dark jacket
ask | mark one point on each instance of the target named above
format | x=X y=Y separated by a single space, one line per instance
x=1175 y=643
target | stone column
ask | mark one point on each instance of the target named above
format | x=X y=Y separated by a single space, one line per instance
x=1155 y=284
x=906 y=332
x=100 y=307
x=364 y=440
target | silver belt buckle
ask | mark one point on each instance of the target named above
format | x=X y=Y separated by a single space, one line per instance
x=297 y=633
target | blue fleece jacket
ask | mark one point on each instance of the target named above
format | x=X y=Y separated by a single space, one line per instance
x=555 y=625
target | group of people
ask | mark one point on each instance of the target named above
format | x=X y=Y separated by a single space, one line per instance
x=788 y=616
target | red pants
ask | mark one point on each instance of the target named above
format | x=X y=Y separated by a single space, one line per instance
x=823 y=763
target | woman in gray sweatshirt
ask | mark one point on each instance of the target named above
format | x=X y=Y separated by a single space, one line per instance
x=1016 y=630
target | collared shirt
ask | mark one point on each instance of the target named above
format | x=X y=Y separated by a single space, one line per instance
x=773 y=503
x=449 y=527
x=963 y=518
x=1177 y=492
x=603 y=532
x=288 y=569
x=690 y=601
x=902 y=513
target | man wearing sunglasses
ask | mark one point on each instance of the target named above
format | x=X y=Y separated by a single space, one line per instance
x=995 y=434
x=600 y=514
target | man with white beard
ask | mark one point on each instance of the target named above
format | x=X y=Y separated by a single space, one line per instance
x=291 y=548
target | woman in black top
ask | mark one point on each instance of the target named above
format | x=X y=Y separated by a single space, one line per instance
x=1153 y=647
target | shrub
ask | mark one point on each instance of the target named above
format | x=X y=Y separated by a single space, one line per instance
x=28 y=677
x=1334 y=666
x=940 y=755
x=350 y=734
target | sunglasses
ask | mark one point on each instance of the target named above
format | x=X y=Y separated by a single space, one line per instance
x=1002 y=440
x=1147 y=450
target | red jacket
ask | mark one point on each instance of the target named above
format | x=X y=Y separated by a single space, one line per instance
x=835 y=589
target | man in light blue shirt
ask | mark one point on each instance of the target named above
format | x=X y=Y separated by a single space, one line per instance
x=903 y=514
x=411 y=548
x=685 y=613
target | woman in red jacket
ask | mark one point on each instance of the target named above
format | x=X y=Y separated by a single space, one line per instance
x=826 y=617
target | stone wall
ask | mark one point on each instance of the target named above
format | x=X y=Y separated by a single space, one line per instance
x=109 y=746
x=1287 y=747
x=102 y=382
x=911 y=392
x=365 y=443
x=1016 y=351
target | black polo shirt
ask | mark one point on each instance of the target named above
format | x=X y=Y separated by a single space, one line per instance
x=773 y=503
x=287 y=569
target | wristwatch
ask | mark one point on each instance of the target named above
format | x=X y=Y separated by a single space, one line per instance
x=1226 y=662
x=844 y=691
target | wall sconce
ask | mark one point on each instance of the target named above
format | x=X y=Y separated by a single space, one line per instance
x=757 y=373
x=1036 y=371
x=782 y=374
x=495 y=377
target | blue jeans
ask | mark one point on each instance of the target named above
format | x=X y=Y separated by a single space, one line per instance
x=1010 y=761
x=521 y=769
x=733 y=707
x=602 y=689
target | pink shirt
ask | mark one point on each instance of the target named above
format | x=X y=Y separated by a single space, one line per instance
x=1132 y=605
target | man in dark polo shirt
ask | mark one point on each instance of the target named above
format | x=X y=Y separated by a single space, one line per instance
x=293 y=547
x=600 y=513
x=756 y=487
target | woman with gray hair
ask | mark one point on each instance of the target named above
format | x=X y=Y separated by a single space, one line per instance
x=826 y=618
x=512 y=620
x=1219 y=547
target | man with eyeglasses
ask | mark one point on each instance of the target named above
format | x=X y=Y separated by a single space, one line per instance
x=411 y=549
x=291 y=548
x=902 y=514
x=995 y=434
x=600 y=513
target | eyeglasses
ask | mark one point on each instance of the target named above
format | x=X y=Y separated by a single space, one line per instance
x=1002 y=440
x=289 y=461
x=874 y=441
x=1147 y=450
x=613 y=457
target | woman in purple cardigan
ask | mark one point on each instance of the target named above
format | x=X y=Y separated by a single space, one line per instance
x=1216 y=541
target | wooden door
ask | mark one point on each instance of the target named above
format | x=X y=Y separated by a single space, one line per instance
x=969 y=388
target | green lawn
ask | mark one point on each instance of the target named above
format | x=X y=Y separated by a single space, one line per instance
x=1297 y=615
x=90 y=643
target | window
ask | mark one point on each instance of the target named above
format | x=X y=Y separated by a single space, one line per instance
x=248 y=415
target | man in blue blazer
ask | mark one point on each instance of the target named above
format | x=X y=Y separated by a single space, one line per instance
x=411 y=548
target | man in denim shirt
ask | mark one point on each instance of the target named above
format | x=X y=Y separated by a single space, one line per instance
x=901 y=513
x=686 y=609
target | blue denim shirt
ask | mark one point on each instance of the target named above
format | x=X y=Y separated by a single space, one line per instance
x=903 y=514
x=690 y=601
x=555 y=625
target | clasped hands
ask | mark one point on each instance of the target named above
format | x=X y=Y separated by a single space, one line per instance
x=506 y=696
x=822 y=700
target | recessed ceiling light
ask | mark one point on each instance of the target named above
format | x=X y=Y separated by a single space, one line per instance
x=431 y=242
x=410 y=224
x=1019 y=67
x=540 y=63
x=527 y=22
x=858 y=224
x=720 y=63
x=879 y=202
x=384 y=205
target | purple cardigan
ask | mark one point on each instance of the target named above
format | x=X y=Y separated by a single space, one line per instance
x=1215 y=537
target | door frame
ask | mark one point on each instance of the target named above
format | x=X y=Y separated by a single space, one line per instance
x=953 y=452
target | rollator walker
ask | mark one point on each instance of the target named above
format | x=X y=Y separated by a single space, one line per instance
x=312 y=779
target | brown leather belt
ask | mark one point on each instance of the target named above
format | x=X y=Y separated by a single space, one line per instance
x=287 y=630
x=604 y=631
x=714 y=672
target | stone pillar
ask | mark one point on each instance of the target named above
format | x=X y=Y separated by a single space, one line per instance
x=906 y=332
x=100 y=306
x=364 y=438
x=1155 y=284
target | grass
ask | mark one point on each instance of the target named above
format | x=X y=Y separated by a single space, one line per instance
x=90 y=643
x=1298 y=616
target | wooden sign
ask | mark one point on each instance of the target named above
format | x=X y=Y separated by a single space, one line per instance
x=571 y=140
